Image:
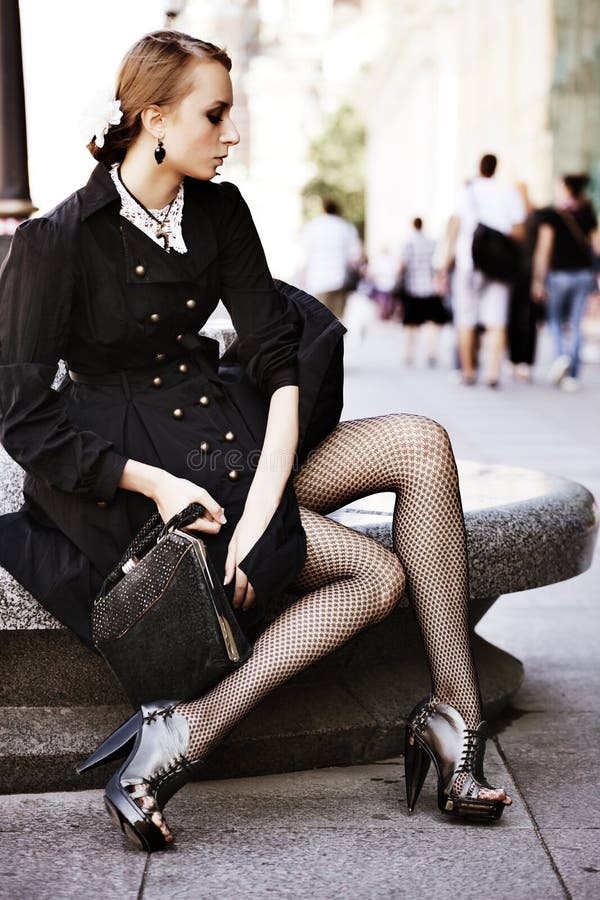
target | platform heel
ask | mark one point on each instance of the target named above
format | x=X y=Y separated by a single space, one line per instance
x=436 y=732
x=113 y=747
x=416 y=767
x=156 y=739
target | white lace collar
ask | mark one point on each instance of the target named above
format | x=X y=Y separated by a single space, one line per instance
x=163 y=226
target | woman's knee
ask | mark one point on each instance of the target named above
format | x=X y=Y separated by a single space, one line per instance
x=425 y=433
x=380 y=568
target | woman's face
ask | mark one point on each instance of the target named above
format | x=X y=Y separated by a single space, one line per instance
x=199 y=131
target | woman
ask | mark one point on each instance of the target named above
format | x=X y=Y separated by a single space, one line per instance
x=563 y=274
x=118 y=280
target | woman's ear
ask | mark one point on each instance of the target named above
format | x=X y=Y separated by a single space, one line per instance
x=152 y=122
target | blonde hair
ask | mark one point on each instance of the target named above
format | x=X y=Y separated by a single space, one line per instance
x=155 y=71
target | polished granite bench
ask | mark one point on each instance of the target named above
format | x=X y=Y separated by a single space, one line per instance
x=524 y=530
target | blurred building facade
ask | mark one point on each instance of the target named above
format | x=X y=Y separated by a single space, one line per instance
x=458 y=78
x=437 y=82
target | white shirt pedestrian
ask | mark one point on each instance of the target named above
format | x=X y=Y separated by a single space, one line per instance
x=331 y=245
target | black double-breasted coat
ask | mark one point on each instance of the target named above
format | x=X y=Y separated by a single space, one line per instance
x=85 y=285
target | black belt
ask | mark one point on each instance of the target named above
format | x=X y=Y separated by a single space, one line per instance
x=130 y=378
x=108 y=377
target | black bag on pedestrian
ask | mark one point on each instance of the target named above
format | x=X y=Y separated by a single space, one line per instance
x=162 y=620
x=495 y=254
x=351 y=279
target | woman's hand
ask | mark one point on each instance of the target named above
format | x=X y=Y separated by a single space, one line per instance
x=247 y=532
x=172 y=494
x=538 y=290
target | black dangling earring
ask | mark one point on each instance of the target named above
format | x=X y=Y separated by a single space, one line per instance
x=159 y=153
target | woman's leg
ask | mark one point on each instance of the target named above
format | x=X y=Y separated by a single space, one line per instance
x=411 y=456
x=558 y=287
x=582 y=287
x=340 y=598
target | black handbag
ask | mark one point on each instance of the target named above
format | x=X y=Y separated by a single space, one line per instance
x=162 y=620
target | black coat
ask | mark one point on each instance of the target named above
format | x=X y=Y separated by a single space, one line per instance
x=84 y=285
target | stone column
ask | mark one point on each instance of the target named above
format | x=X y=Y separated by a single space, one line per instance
x=15 y=202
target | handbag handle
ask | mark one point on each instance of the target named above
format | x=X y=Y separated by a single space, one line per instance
x=148 y=535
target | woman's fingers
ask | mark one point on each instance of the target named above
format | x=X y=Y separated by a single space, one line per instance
x=243 y=595
x=206 y=526
x=214 y=510
x=230 y=564
x=241 y=584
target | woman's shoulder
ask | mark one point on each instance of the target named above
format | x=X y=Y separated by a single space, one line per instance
x=55 y=227
x=547 y=215
x=220 y=198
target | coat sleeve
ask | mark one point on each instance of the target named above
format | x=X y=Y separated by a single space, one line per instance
x=268 y=338
x=36 y=296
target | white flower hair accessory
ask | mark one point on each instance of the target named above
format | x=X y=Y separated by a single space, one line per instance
x=102 y=111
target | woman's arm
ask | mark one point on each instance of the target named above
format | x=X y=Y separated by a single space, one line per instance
x=37 y=292
x=272 y=473
x=542 y=256
x=268 y=349
x=172 y=494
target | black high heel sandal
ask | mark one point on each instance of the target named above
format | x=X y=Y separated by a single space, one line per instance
x=156 y=739
x=436 y=732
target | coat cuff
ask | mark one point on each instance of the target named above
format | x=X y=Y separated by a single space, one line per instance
x=108 y=475
x=284 y=378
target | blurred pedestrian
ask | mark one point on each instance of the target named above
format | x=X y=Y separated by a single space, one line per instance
x=563 y=272
x=383 y=273
x=422 y=303
x=478 y=299
x=332 y=255
x=524 y=314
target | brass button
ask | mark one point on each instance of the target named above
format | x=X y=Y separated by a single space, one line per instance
x=140 y=270
x=191 y=303
x=233 y=475
x=205 y=446
x=183 y=367
x=154 y=317
x=102 y=504
x=178 y=413
x=229 y=436
x=160 y=357
x=157 y=382
x=179 y=337
x=204 y=401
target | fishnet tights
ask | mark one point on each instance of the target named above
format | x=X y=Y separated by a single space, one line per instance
x=349 y=581
x=411 y=456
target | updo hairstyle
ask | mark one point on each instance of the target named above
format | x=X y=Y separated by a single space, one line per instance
x=154 y=72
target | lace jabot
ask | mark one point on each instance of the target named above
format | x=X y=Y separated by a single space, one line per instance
x=153 y=221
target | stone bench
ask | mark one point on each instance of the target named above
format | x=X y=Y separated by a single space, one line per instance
x=58 y=700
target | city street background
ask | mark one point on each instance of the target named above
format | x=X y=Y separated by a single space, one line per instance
x=389 y=103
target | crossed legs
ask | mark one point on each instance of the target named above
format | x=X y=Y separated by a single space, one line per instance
x=411 y=456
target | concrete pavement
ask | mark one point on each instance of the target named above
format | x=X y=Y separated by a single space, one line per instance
x=345 y=832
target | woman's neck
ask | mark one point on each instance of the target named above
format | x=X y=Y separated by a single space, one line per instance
x=152 y=185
